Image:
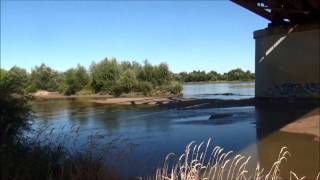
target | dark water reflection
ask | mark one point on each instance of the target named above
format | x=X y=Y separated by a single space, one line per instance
x=156 y=132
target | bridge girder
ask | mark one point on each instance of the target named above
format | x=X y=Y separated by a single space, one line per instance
x=281 y=12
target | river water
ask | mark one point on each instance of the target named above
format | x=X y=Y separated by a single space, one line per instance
x=219 y=90
x=142 y=136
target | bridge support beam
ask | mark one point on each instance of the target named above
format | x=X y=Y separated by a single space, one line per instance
x=287 y=61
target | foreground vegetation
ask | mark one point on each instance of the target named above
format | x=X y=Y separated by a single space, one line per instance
x=111 y=77
x=194 y=164
x=30 y=158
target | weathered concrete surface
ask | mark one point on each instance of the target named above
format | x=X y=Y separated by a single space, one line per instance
x=288 y=61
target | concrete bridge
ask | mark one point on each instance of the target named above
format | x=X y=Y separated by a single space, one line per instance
x=287 y=55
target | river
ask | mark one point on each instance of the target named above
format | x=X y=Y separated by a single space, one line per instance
x=145 y=135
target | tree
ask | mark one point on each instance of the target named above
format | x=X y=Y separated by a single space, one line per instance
x=3 y=72
x=162 y=73
x=128 y=81
x=75 y=79
x=16 y=79
x=14 y=112
x=104 y=75
x=213 y=76
x=45 y=78
x=239 y=75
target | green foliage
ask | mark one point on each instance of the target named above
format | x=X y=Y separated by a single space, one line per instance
x=3 y=72
x=201 y=76
x=104 y=75
x=15 y=80
x=45 y=78
x=117 y=78
x=173 y=87
x=128 y=80
x=14 y=112
x=75 y=79
x=31 y=88
x=144 y=87
x=162 y=73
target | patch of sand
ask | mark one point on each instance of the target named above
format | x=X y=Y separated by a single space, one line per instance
x=307 y=124
x=41 y=94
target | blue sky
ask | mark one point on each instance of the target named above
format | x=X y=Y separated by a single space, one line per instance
x=188 y=35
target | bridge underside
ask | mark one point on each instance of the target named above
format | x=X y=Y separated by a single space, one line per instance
x=281 y=12
x=287 y=54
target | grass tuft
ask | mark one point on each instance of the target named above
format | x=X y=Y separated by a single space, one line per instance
x=194 y=164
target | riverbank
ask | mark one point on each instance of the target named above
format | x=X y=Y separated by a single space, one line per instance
x=46 y=95
x=109 y=99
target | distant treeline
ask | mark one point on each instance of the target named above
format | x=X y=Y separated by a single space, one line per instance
x=201 y=76
x=107 y=77
x=111 y=77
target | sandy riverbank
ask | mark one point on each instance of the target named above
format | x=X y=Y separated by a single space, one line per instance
x=108 y=99
x=46 y=95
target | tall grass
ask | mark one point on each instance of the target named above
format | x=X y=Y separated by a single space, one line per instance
x=198 y=162
x=43 y=154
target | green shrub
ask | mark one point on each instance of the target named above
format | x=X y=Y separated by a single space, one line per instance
x=116 y=90
x=16 y=79
x=31 y=88
x=75 y=79
x=45 y=78
x=128 y=81
x=144 y=87
x=172 y=87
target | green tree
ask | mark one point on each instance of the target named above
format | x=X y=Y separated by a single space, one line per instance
x=3 y=72
x=75 y=79
x=213 y=76
x=104 y=75
x=147 y=73
x=128 y=80
x=45 y=78
x=239 y=75
x=14 y=111
x=161 y=73
x=16 y=79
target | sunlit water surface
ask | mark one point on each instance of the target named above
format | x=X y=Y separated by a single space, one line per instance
x=144 y=135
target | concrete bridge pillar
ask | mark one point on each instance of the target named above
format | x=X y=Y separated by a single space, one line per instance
x=287 y=61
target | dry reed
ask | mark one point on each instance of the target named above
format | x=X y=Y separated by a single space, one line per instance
x=194 y=164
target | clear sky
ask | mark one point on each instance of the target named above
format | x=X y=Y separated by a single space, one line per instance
x=188 y=35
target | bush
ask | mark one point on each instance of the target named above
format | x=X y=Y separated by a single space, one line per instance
x=45 y=78
x=31 y=88
x=15 y=80
x=173 y=87
x=128 y=81
x=144 y=87
x=14 y=114
x=116 y=90
x=75 y=79
x=104 y=75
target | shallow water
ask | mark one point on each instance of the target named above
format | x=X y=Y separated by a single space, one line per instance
x=235 y=90
x=148 y=134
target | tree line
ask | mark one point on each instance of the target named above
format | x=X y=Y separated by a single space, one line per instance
x=202 y=76
x=111 y=77
x=105 y=77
